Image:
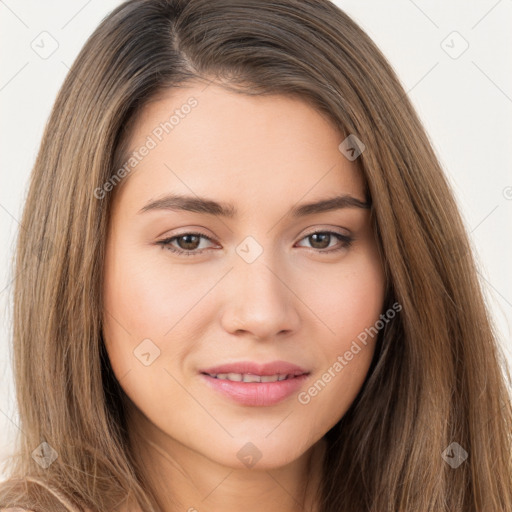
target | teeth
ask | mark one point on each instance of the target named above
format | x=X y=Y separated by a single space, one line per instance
x=270 y=378
x=249 y=377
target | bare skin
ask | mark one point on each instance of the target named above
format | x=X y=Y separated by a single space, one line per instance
x=295 y=302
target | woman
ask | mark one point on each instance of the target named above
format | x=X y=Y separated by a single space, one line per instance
x=251 y=287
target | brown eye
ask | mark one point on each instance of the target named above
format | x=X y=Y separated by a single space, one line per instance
x=190 y=242
x=321 y=240
x=186 y=244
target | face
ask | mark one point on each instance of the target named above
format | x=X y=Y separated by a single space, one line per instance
x=188 y=289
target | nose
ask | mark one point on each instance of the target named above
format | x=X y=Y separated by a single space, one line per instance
x=260 y=301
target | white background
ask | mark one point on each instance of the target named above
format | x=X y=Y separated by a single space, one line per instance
x=464 y=102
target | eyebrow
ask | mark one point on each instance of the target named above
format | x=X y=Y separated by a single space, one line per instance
x=176 y=202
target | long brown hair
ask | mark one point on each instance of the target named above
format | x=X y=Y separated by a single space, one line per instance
x=438 y=375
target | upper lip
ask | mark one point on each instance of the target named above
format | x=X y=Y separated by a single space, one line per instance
x=271 y=368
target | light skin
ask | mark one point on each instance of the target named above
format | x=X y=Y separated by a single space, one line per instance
x=295 y=302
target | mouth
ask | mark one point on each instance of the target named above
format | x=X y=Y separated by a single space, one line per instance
x=263 y=387
x=252 y=369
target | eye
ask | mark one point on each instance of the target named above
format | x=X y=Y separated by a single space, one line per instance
x=320 y=240
x=189 y=243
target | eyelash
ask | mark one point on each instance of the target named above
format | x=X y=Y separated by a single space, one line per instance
x=166 y=243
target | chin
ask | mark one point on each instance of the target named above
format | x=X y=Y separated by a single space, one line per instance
x=259 y=453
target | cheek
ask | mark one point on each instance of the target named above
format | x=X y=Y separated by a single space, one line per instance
x=144 y=295
x=142 y=303
x=349 y=304
x=348 y=299
x=146 y=298
x=133 y=306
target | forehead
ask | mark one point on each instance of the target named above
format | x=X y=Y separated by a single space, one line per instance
x=208 y=141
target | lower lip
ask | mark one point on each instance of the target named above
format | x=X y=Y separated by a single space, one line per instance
x=256 y=393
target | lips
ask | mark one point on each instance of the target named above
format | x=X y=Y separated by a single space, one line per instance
x=253 y=384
